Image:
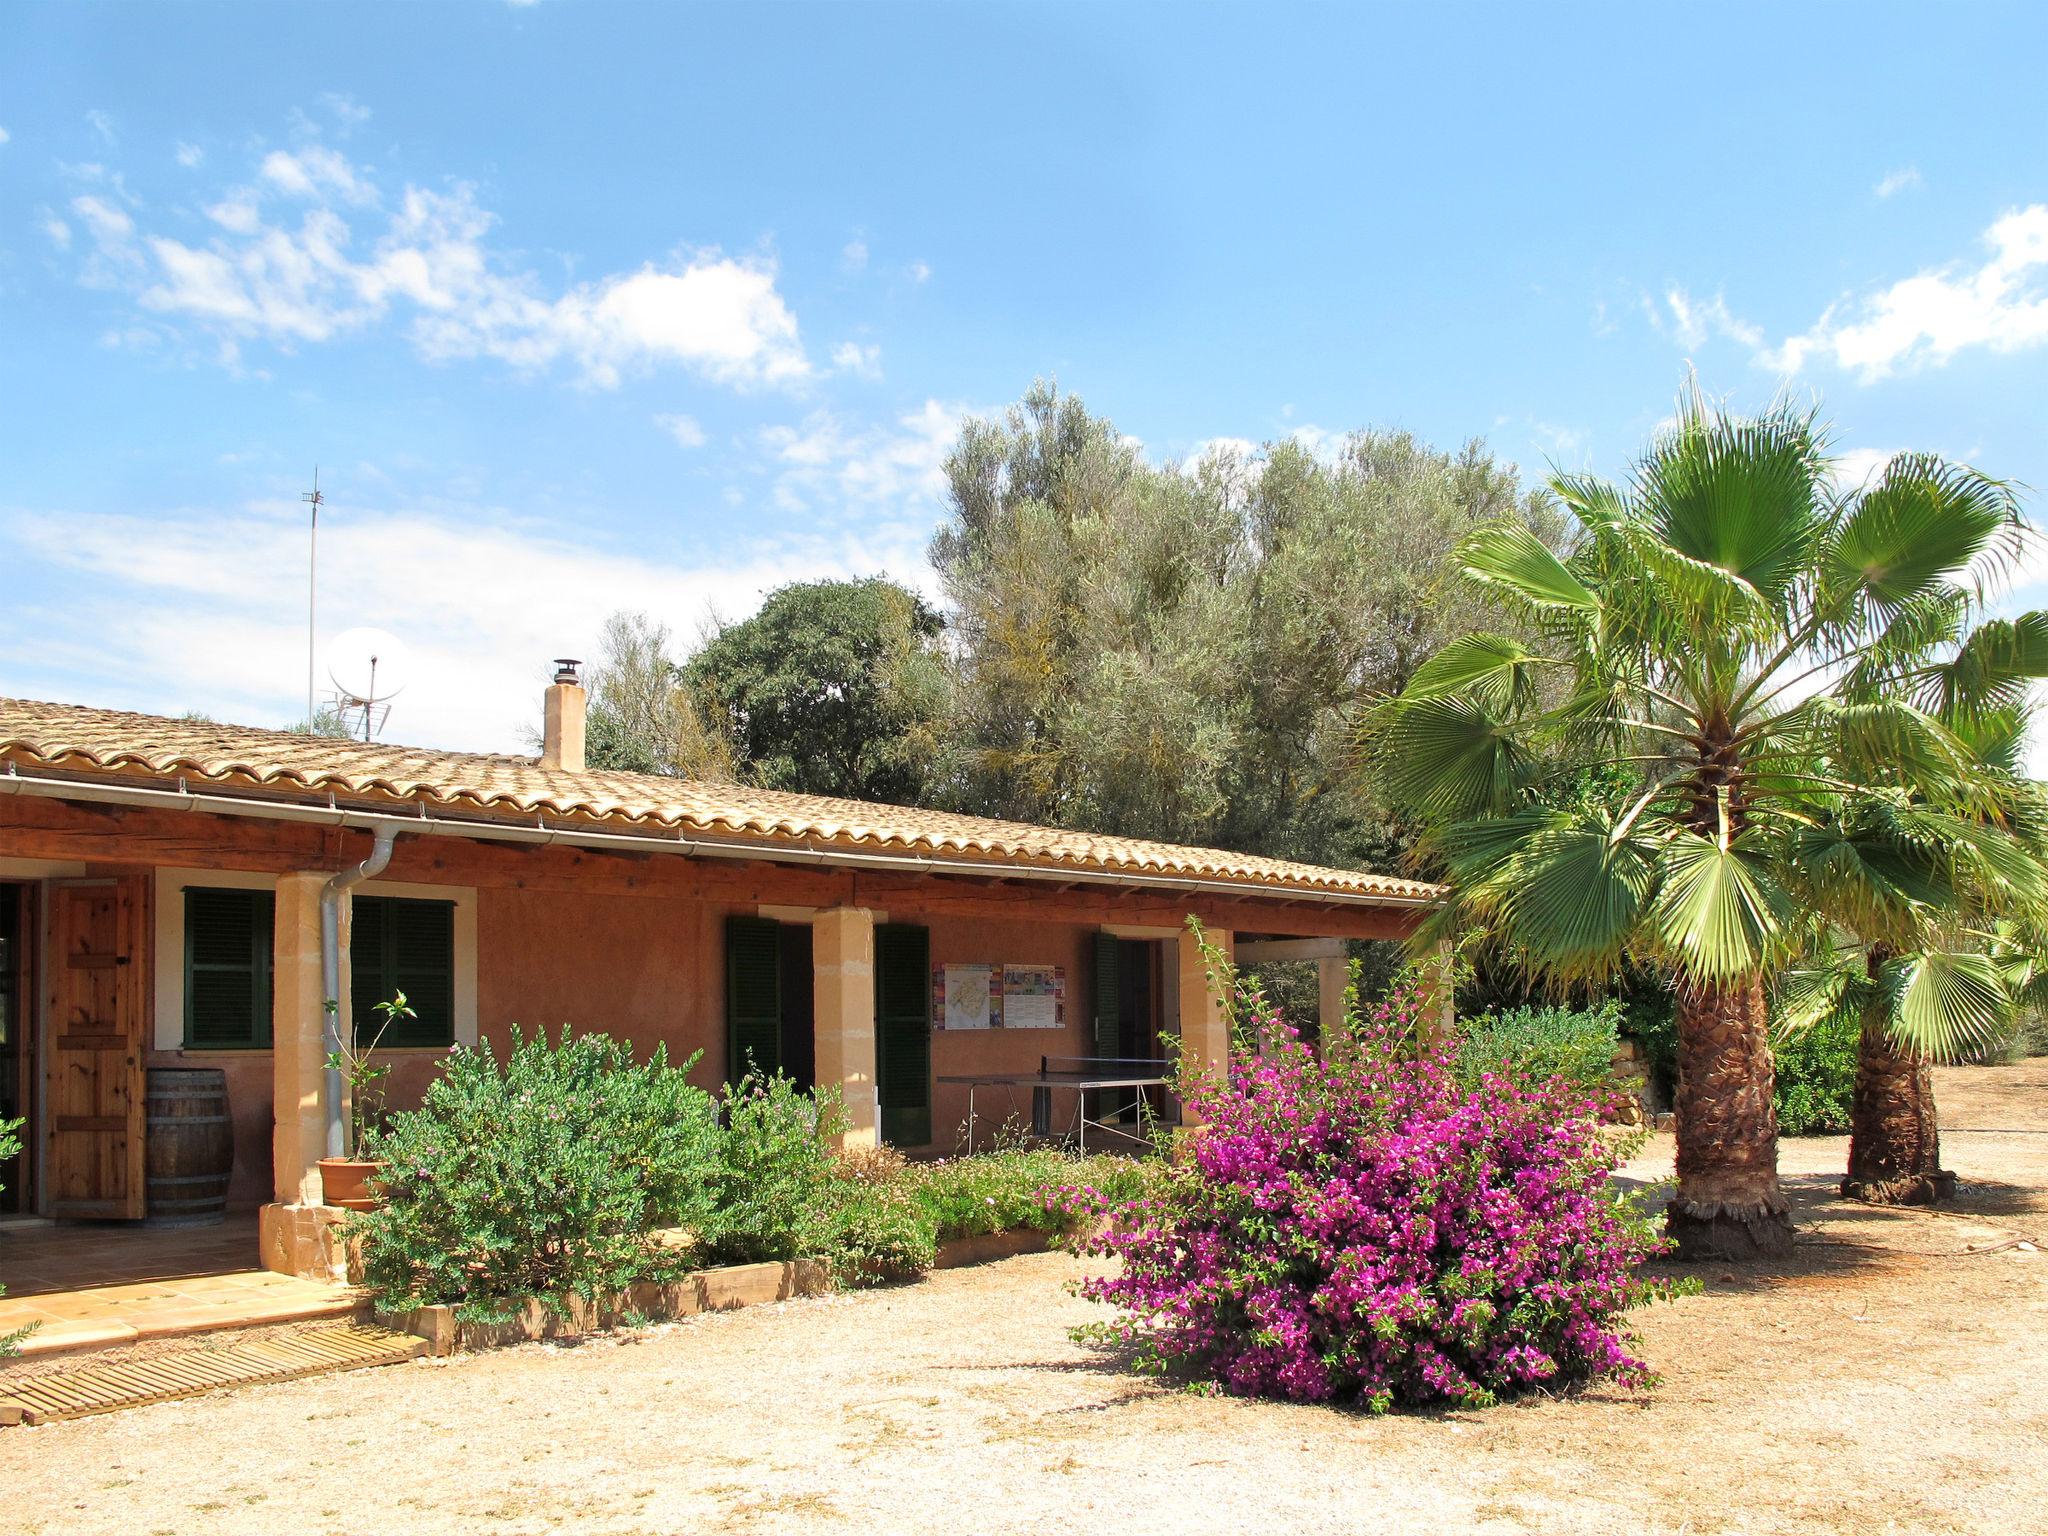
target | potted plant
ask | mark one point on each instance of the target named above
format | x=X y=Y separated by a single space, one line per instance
x=348 y=1181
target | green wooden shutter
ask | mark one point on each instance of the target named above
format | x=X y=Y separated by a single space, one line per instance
x=400 y=945
x=227 y=968
x=1108 y=995
x=903 y=1033
x=1107 y=999
x=753 y=996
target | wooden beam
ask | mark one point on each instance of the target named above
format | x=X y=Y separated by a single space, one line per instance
x=98 y=835
x=1256 y=951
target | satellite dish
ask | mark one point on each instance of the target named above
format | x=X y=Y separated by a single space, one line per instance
x=369 y=667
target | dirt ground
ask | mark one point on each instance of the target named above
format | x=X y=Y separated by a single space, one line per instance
x=1893 y=1378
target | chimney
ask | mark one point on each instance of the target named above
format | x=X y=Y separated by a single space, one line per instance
x=562 y=719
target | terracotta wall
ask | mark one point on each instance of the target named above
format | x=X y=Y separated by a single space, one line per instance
x=971 y=941
x=248 y=1079
x=649 y=969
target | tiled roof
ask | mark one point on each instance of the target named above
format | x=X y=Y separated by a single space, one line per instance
x=71 y=737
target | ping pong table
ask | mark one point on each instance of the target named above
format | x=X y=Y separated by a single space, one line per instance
x=1127 y=1077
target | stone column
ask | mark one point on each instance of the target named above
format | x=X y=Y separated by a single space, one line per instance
x=1204 y=1036
x=843 y=958
x=297 y=1232
x=1439 y=1018
x=298 y=1020
x=1333 y=975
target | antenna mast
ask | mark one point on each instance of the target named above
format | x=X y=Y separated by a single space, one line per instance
x=312 y=497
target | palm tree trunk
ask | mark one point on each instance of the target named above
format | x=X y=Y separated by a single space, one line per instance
x=1729 y=1205
x=1894 y=1143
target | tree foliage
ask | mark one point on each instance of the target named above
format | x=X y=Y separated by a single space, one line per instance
x=643 y=717
x=1179 y=652
x=828 y=690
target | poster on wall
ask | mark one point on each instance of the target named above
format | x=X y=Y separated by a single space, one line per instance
x=999 y=997
x=965 y=996
x=1034 y=996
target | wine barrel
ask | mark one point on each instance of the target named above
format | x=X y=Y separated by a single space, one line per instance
x=191 y=1146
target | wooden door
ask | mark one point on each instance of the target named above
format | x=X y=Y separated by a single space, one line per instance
x=93 y=1098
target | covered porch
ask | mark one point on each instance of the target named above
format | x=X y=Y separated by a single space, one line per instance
x=95 y=1287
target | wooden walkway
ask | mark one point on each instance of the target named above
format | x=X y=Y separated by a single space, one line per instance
x=94 y=1389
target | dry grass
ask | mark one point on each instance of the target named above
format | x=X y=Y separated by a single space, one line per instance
x=1893 y=1378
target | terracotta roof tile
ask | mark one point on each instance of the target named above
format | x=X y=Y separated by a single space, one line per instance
x=69 y=736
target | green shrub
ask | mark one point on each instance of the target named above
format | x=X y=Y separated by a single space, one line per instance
x=10 y=1144
x=881 y=1231
x=773 y=1189
x=1816 y=1078
x=543 y=1177
x=1021 y=1188
x=1531 y=1045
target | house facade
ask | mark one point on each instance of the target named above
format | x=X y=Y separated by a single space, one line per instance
x=180 y=893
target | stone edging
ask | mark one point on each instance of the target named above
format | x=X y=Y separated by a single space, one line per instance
x=705 y=1290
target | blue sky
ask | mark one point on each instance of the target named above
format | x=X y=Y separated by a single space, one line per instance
x=583 y=306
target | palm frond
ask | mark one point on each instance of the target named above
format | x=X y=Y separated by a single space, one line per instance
x=1943 y=1002
x=1495 y=671
x=1509 y=557
x=1744 y=495
x=1718 y=910
x=1449 y=758
x=1924 y=522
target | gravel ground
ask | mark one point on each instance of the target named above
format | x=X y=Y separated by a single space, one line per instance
x=1893 y=1378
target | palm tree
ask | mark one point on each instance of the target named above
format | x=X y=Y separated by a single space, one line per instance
x=1697 y=635
x=1935 y=910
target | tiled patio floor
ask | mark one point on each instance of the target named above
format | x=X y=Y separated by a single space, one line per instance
x=88 y=1286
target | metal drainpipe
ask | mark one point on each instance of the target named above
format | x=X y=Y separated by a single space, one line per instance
x=330 y=979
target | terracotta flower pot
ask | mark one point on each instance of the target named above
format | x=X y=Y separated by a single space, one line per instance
x=348 y=1183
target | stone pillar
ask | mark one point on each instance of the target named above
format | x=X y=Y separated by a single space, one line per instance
x=297 y=1234
x=298 y=1018
x=1333 y=975
x=1439 y=1017
x=843 y=958
x=1204 y=1035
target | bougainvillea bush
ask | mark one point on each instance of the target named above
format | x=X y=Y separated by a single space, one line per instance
x=1369 y=1231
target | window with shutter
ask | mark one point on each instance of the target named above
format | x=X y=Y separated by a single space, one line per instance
x=753 y=996
x=227 y=969
x=903 y=1033
x=397 y=944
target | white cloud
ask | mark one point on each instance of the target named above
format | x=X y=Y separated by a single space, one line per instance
x=1324 y=442
x=314 y=171
x=1219 y=450
x=853 y=256
x=822 y=462
x=1854 y=468
x=5 y=135
x=428 y=264
x=855 y=358
x=58 y=231
x=2000 y=304
x=347 y=113
x=190 y=155
x=1562 y=443
x=920 y=271
x=1895 y=182
x=237 y=213
x=684 y=429
x=101 y=124
x=1695 y=320
x=204 y=611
